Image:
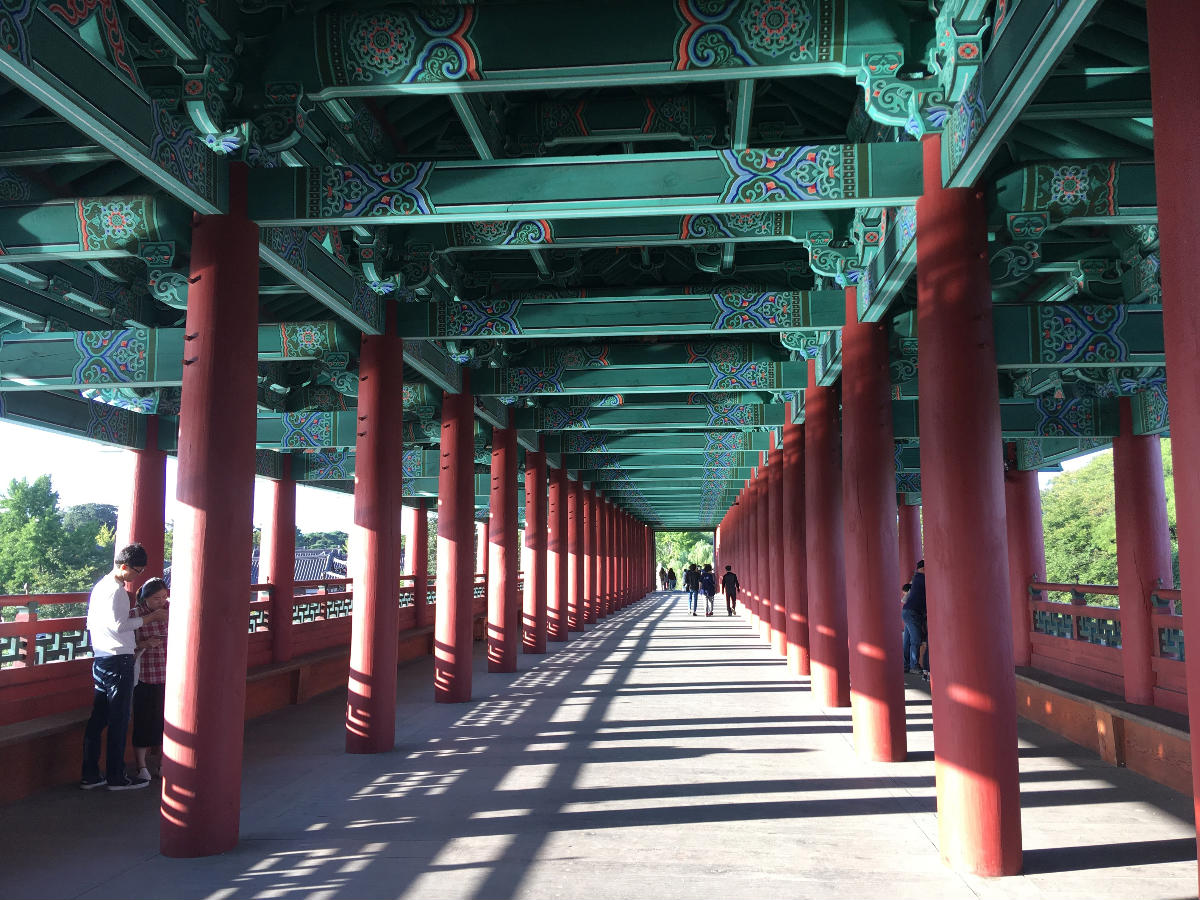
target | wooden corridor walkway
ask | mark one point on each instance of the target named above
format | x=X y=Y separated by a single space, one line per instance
x=657 y=755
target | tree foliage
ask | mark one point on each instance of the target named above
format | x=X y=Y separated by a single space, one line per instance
x=679 y=549
x=46 y=550
x=1079 y=522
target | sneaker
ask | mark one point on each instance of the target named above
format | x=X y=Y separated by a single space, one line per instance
x=130 y=784
x=90 y=784
x=144 y=773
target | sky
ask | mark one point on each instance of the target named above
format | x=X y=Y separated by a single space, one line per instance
x=90 y=472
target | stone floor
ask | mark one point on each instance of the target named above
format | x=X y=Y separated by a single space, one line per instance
x=656 y=756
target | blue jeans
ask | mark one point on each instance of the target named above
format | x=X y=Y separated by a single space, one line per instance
x=693 y=600
x=913 y=635
x=112 y=701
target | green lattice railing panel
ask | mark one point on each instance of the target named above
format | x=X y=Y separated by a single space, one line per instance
x=1103 y=632
x=260 y=620
x=1053 y=624
x=10 y=651
x=1170 y=643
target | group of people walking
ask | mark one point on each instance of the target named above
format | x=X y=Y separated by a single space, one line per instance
x=697 y=581
x=129 y=673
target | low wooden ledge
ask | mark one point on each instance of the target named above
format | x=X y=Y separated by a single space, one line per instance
x=1151 y=741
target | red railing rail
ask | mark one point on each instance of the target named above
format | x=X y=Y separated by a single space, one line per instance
x=1083 y=641
x=52 y=653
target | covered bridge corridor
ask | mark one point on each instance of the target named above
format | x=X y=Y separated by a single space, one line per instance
x=656 y=755
x=831 y=279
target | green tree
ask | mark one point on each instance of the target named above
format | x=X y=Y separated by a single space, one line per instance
x=38 y=553
x=83 y=514
x=679 y=549
x=1079 y=522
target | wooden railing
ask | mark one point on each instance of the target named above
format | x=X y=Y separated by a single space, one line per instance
x=1081 y=640
x=45 y=661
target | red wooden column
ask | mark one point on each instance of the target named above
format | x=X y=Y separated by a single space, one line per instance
x=206 y=658
x=575 y=551
x=556 y=556
x=504 y=610
x=455 y=549
x=775 y=561
x=533 y=630
x=627 y=541
x=623 y=558
x=872 y=544
x=425 y=611
x=591 y=568
x=764 y=549
x=1026 y=553
x=1143 y=549
x=483 y=543
x=909 y=517
x=793 y=553
x=144 y=520
x=605 y=542
x=750 y=601
x=1174 y=28
x=277 y=559
x=829 y=658
x=962 y=477
x=375 y=543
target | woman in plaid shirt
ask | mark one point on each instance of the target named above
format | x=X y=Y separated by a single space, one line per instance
x=149 y=694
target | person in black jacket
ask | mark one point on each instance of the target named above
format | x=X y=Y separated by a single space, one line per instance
x=691 y=581
x=708 y=584
x=729 y=584
x=913 y=613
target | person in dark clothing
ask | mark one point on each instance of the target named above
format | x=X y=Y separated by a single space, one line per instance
x=708 y=584
x=691 y=581
x=729 y=584
x=672 y=579
x=913 y=613
x=904 y=589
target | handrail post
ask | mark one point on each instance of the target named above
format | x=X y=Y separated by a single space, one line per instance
x=27 y=644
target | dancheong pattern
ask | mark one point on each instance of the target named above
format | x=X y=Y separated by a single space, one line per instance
x=354 y=190
x=783 y=174
x=1072 y=190
x=1082 y=334
x=328 y=465
x=114 y=223
x=587 y=442
x=307 y=429
x=398 y=44
x=304 y=338
x=721 y=34
x=725 y=443
x=502 y=234
x=111 y=424
x=1070 y=417
x=479 y=318
x=732 y=370
x=111 y=357
x=747 y=309
x=708 y=226
x=531 y=380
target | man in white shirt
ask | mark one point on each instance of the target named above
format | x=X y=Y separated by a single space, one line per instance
x=112 y=629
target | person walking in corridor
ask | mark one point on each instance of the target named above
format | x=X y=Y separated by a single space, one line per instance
x=729 y=584
x=662 y=577
x=691 y=582
x=708 y=584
